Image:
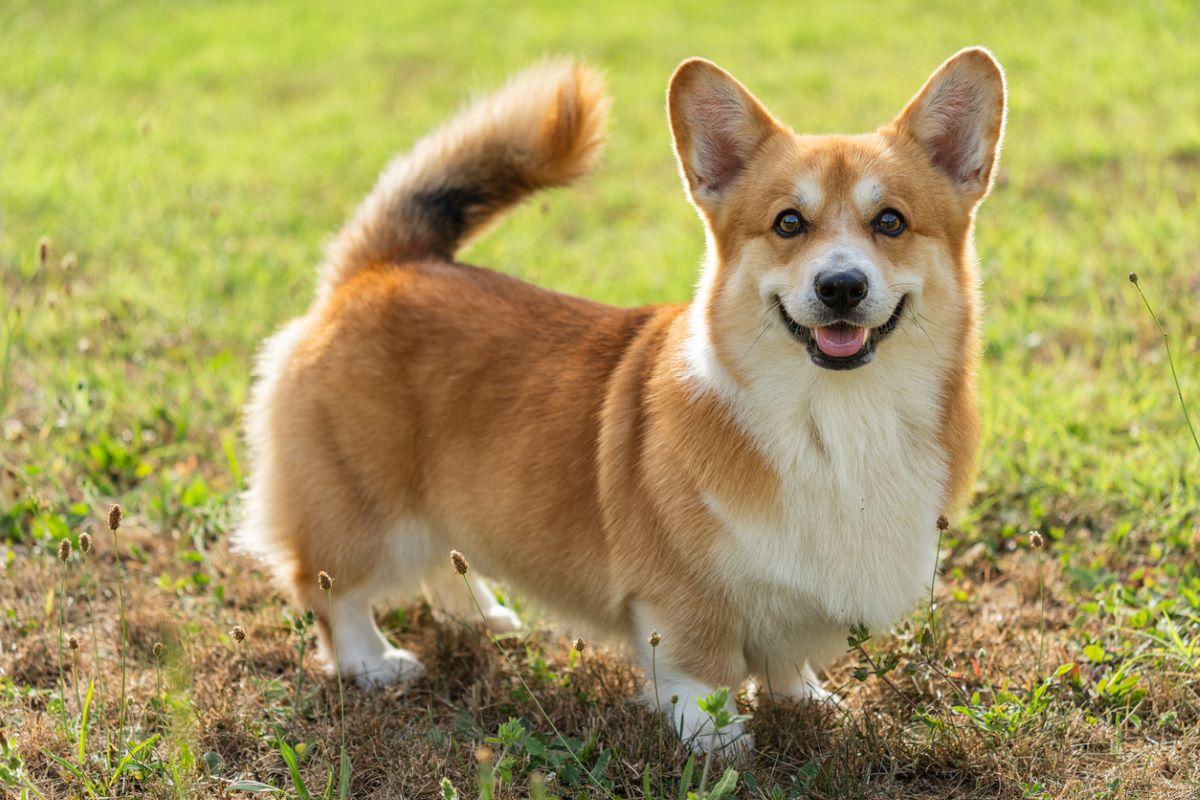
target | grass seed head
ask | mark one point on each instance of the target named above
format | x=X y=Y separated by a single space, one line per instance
x=1133 y=278
x=114 y=517
x=1036 y=540
x=674 y=699
x=64 y=550
x=460 y=562
x=580 y=644
x=157 y=650
x=324 y=581
x=239 y=633
x=73 y=643
x=943 y=523
x=654 y=639
x=85 y=542
x=43 y=250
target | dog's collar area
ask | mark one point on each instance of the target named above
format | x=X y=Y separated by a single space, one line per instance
x=864 y=356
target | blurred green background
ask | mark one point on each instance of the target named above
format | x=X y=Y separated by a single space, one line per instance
x=195 y=158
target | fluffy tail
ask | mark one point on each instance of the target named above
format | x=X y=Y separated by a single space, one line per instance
x=544 y=128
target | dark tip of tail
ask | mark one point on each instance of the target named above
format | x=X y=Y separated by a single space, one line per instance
x=543 y=129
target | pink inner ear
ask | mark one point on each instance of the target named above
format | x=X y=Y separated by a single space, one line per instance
x=955 y=118
x=717 y=159
x=718 y=155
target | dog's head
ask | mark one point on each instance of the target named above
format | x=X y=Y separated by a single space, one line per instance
x=824 y=248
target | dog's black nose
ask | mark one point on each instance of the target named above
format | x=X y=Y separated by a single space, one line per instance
x=842 y=291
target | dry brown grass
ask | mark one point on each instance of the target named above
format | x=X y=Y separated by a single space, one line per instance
x=226 y=698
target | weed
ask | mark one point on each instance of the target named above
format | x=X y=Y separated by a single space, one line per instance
x=1187 y=417
x=89 y=590
x=859 y=636
x=325 y=583
x=654 y=640
x=64 y=555
x=461 y=567
x=716 y=706
x=301 y=624
x=1037 y=542
x=115 y=515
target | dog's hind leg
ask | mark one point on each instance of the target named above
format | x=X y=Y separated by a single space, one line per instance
x=351 y=641
x=445 y=590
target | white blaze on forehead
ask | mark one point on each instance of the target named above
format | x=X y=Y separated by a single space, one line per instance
x=808 y=193
x=868 y=194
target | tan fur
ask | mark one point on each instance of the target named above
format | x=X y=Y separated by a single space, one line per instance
x=544 y=129
x=423 y=405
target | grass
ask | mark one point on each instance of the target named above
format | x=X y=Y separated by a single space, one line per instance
x=185 y=164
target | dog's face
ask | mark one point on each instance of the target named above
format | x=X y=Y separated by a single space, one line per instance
x=824 y=247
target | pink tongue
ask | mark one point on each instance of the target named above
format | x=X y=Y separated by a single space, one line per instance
x=841 y=340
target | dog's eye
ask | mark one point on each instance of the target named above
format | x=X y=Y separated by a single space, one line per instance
x=890 y=222
x=789 y=223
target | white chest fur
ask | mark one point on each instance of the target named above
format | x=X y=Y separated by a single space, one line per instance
x=862 y=478
x=854 y=532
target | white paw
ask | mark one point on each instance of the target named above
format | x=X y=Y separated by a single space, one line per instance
x=393 y=666
x=503 y=620
x=731 y=742
x=696 y=729
x=813 y=692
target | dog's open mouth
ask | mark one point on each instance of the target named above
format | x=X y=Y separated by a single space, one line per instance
x=842 y=345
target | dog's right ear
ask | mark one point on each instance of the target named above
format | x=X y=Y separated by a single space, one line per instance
x=717 y=124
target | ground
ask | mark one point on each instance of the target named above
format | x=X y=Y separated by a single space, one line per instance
x=183 y=166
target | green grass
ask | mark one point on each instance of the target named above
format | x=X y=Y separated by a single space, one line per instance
x=194 y=159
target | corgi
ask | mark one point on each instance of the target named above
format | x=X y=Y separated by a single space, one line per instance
x=747 y=475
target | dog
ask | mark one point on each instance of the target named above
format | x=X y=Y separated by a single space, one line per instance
x=747 y=475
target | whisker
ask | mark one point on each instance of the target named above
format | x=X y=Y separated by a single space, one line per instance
x=937 y=325
x=763 y=328
x=917 y=321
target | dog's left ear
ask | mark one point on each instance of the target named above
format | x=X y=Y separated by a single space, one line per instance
x=958 y=120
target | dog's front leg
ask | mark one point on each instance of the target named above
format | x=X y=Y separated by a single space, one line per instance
x=685 y=658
